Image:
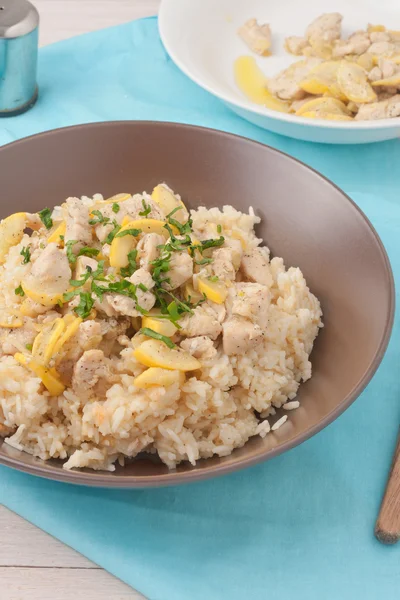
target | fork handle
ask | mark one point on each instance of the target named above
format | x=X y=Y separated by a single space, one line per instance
x=387 y=528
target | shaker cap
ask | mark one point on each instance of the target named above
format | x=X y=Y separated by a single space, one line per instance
x=17 y=18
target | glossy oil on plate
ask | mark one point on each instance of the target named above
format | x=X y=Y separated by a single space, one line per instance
x=201 y=38
x=306 y=219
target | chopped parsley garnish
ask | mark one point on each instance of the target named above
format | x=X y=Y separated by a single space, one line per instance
x=115 y=208
x=29 y=347
x=45 y=217
x=146 y=209
x=19 y=291
x=26 y=253
x=213 y=278
x=131 y=268
x=99 y=218
x=157 y=336
x=219 y=228
x=87 y=251
x=142 y=287
x=79 y=282
x=134 y=232
x=204 y=261
x=214 y=243
x=68 y=248
x=61 y=238
x=85 y=305
x=112 y=233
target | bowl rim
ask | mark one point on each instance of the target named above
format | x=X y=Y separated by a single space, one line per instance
x=263 y=111
x=106 y=479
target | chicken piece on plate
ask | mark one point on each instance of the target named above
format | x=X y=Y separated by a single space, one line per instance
x=235 y=246
x=77 y=224
x=148 y=250
x=89 y=369
x=296 y=44
x=203 y=322
x=286 y=86
x=240 y=335
x=255 y=267
x=89 y=335
x=123 y=305
x=201 y=347
x=256 y=37
x=380 y=36
x=385 y=109
x=222 y=264
x=387 y=67
x=326 y=27
x=358 y=43
x=180 y=270
x=131 y=208
x=381 y=48
x=249 y=300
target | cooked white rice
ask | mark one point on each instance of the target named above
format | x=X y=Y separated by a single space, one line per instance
x=217 y=409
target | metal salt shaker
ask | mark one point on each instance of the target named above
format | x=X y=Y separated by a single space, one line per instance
x=19 y=28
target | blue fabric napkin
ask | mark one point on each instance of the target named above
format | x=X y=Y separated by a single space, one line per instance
x=299 y=526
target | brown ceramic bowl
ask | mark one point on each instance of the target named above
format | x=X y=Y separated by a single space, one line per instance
x=305 y=219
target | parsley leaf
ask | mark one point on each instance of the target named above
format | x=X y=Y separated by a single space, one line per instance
x=45 y=217
x=87 y=251
x=79 y=282
x=157 y=336
x=213 y=278
x=146 y=209
x=116 y=208
x=131 y=268
x=219 y=228
x=26 y=253
x=142 y=287
x=112 y=233
x=99 y=218
x=19 y=291
x=134 y=232
x=29 y=347
x=85 y=305
x=212 y=243
x=70 y=255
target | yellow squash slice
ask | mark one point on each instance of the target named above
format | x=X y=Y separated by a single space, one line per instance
x=46 y=340
x=50 y=377
x=156 y=376
x=168 y=202
x=121 y=246
x=216 y=291
x=315 y=114
x=71 y=327
x=253 y=83
x=393 y=81
x=163 y=326
x=191 y=294
x=11 y=232
x=51 y=295
x=353 y=82
x=332 y=105
x=55 y=236
x=154 y=353
x=322 y=79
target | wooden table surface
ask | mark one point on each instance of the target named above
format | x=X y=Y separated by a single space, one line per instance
x=33 y=565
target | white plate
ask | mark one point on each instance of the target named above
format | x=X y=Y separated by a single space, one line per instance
x=200 y=36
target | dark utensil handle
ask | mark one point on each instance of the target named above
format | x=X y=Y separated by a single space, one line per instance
x=387 y=528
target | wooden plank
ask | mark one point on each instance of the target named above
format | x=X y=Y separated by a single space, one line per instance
x=61 y=19
x=21 y=583
x=23 y=544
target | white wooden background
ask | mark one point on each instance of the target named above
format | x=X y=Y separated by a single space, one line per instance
x=33 y=565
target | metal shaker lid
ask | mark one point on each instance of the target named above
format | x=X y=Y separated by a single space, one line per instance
x=17 y=18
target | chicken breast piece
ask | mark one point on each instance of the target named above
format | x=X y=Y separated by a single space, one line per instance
x=296 y=44
x=256 y=37
x=285 y=85
x=89 y=335
x=235 y=246
x=180 y=270
x=358 y=43
x=51 y=267
x=240 y=335
x=385 y=109
x=124 y=305
x=255 y=267
x=148 y=250
x=77 y=224
x=375 y=74
x=203 y=322
x=381 y=48
x=222 y=264
x=380 y=36
x=326 y=27
x=201 y=347
x=88 y=370
x=249 y=300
